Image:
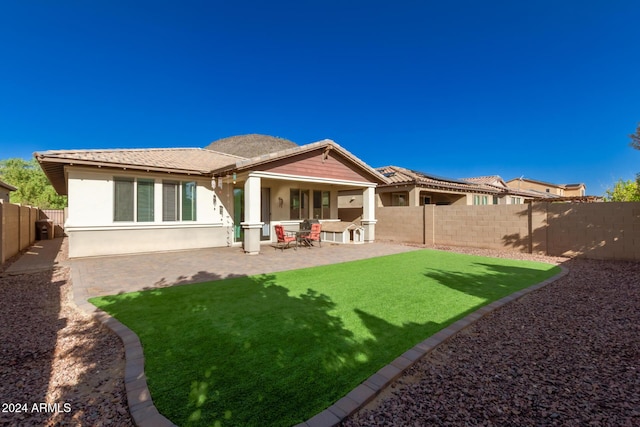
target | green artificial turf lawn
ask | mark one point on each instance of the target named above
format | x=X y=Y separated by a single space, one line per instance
x=276 y=349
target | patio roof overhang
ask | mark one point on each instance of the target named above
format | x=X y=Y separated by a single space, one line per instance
x=303 y=178
x=325 y=148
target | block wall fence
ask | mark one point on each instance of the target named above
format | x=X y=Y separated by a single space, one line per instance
x=17 y=228
x=591 y=230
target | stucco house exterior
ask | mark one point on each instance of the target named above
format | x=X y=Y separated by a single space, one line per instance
x=5 y=190
x=408 y=187
x=143 y=200
x=546 y=188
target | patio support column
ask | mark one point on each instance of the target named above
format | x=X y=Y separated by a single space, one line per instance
x=369 y=214
x=252 y=224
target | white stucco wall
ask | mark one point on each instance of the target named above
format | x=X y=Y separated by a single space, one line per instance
x=92 y=230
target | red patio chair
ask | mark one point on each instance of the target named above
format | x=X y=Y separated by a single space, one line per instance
x=314 y=234
x=284 y=239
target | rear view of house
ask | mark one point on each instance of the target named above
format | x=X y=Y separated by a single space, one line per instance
x=231 y=193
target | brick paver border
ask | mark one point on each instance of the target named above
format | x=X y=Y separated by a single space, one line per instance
x=141 y=407
x=145 y=414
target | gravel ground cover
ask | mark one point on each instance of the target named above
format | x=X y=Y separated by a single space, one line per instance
x=58 y=366
x=565 y=355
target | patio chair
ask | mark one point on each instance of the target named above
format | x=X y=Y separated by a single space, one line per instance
x=285 y=239
x=314 y=234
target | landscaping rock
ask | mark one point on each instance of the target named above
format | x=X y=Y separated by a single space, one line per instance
x=58 y=366
x=567 y=354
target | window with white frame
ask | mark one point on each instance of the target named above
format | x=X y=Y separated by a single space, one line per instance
x=133 y=199
x=178 y=201
x=480 y=200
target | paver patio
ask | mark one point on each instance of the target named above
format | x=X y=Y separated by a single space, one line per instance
x=116 y=274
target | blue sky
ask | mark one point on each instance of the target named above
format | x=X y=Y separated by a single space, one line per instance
x=544 y=89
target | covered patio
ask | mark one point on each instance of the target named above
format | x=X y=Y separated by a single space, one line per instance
x=290 y=186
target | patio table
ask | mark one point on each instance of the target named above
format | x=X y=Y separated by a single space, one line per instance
x=303 y=238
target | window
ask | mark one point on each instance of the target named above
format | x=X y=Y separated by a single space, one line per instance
x=426 y=200
x=480 y=200
x=144 y=205
x=516 y=201
x=170 y=201
x=495 y=200
x=179 y=201
x=399 y=199
x=299 y=204
x=133 y=199
x=123 y=199
x=189 y=201
x=321 y=204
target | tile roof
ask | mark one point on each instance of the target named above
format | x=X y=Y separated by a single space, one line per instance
x=487 y=180
x=398 y=175
x=196 y=161
x=180 y=159
x=548 y=184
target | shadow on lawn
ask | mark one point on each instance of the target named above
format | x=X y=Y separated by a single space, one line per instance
x=245 y=351
x=498 y=280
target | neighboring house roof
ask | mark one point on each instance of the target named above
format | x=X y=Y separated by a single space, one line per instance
x=548 y=184
x=7 y=186
x=327 y=145
x=494 y=180
x=251 y=145
x=192 y=161
x=397 y=175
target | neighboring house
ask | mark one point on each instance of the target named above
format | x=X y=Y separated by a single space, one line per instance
x=508 y=196
x=231 y=193
x=5 y=189
x=407 y=187
x=542 y=188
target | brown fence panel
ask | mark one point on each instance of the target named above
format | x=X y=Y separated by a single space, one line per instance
x=11 y=227
x=25 y=224
x=35 y=215
x=17 y=228
x=57 y=216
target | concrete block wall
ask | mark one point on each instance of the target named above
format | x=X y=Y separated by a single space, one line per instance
x=591 y=230
x=595 y=230
x=489 y=226
x=17 y=228
x=400 y=223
